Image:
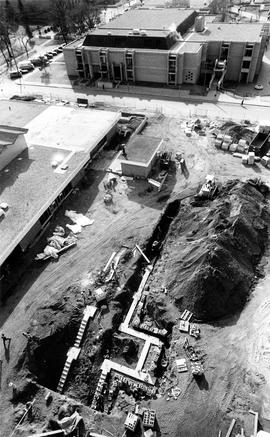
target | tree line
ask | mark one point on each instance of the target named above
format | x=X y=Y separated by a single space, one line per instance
x=67 y=17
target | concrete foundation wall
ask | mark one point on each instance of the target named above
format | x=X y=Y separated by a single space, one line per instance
x=11 y=151
x=70 y=60
x=135 y=170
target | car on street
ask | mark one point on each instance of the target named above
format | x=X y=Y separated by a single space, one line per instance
x=26 y=65
x=37 y=62
x=258 y=86
x=15 y=74
x=49 y=55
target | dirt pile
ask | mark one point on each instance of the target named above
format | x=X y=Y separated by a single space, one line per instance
x=51 y=333
x=210 y=257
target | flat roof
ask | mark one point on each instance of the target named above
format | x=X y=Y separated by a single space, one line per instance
x=242 y=32
x=70 y=128
x=122 y=32
x=19 y=113
x=141 y=148
x=186 y=47
x=28 y=185
x=150 y=19
x=74 y=44
x=9 y=134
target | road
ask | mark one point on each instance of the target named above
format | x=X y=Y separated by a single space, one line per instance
x=224 y=107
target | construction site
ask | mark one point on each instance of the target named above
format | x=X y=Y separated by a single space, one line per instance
x=141 y=307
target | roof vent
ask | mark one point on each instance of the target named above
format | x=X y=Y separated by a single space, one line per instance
x=200 y=23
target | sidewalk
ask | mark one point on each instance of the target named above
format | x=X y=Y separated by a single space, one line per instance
x=160 y=94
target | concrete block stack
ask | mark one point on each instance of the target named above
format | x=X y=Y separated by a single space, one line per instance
x=265 y=161
x=251 y=158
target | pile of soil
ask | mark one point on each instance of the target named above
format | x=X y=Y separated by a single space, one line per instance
x=211 y=254
x=51 y=333
x=238 y=131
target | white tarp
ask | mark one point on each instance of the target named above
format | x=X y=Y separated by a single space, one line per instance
x=78 y=219
x=69 y=424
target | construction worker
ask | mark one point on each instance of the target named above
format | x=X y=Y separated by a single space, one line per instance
x=123 y=149
x=6 y=341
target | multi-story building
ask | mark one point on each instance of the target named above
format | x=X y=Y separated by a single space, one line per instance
x=167 y=47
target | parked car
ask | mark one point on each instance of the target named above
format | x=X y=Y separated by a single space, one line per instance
x=37 y=62
x=15 y=74
x=26 y=65
x=258 y=86
x=59 y=49
x=49 y=55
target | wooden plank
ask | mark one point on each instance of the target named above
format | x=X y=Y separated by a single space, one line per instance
x=59 y=431
x=230 y=428
x=109 y=262
x=141 y=252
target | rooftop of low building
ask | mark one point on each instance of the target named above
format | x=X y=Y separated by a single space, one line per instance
x=229 y=32
x=150 y=19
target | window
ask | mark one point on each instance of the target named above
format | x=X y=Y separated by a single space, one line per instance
x=129 y=75
x=246 y=64
x=129 y=62
x=249 y=50
x=172 y=65
x=172 y=77
x=45 y=216
x=224 y=51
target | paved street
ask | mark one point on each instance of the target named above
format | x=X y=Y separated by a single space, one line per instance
x=224 y=106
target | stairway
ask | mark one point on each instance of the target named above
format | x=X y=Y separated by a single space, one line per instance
x=80 y=332
x=69 y=360
x=64 y=376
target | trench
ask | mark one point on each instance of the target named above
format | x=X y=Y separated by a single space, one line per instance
x=45 y=358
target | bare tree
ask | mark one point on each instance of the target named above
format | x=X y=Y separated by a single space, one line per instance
x=23 y=18
x=23 y=40
x=60 y=15
x=5 y=36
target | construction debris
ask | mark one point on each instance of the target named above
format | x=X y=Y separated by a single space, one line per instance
x=57 y=244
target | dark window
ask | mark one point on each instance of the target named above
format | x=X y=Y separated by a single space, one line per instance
x=248 y=52
x=129 y=62
x=172 y=65
x=224 y=53
x=129 y=75
x=246 y=64
x=45 y=216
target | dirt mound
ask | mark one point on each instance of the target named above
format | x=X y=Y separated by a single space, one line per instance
x=50 y=335
x=211 y=253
